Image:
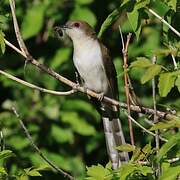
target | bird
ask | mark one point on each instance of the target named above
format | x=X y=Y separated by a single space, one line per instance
x=96 y=69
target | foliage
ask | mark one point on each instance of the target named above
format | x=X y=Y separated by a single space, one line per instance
x=68 y=129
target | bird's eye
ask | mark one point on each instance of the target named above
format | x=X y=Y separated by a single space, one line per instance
x=77 y=25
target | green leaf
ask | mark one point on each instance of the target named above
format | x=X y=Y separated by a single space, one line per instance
x=172 y=4
x=141 y=4
x=166 y=83
x=33 y=21
x=136 y=154
x=164 y=52
x=126 y=148
x=2 y=43
x=152 y=71
x=2 y=171
x=112 y=17
x=98 y=172
x=62 y=135
x=141 y=62
x=177 y=83
x=32 y=172
x=85 y=14
x=171 y=174
x=82 y=2
x=165 y=125
x=60 y=57
x=6 y=154
x=77 y=123
x=133 y=20
x=167 y=146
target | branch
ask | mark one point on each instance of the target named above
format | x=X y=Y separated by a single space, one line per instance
x=160 y=114
x=57 y=93
x=163 y=21
x=158 y=168
x=125 y=59
x=146 y=130
x=57 y=169
x=16 y=28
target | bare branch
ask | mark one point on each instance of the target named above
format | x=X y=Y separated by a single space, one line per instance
x=16 y=28
x=163 y=21
x=25 y=83
x=144 y=110
x=125 y=59
x=143 y=128
x=57 y=169
x=158 y=169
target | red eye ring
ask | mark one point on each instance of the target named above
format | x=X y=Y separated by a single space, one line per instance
x=76 y=25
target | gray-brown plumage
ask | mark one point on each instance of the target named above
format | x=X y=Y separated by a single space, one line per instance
x=94 y=65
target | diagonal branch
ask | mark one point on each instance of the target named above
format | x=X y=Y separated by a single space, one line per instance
x=16 y=28
x=160 y=114
x=25 y=83
x=163 y=21
x=57 y=169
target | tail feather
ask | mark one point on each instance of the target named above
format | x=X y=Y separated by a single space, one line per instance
x=114 y=137
x=110 y=142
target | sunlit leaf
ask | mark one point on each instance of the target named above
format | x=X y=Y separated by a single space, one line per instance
x=150 y=73
x=2 y=171
x=167 y=146
x=165 y=125
x=98 y=172
x=5 y=154
x=141 y=62
x=171 y=173
x=177 y=83
x=166 y=83
x=2 y=43
x=126 y=148
x=33 y=21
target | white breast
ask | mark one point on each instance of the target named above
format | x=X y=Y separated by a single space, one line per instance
x=88 y=61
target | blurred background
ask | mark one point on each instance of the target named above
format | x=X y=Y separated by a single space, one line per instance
x=68 y=129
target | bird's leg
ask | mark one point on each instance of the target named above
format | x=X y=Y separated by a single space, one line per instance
x=77 y=85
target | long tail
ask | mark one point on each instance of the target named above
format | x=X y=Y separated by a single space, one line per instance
x=114 y=137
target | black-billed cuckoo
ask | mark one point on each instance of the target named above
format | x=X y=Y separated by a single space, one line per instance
x=95 y=67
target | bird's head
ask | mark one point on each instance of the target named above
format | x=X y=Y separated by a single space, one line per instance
x=78 y=29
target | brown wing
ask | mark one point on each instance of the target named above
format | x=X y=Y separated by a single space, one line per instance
x=110 y=72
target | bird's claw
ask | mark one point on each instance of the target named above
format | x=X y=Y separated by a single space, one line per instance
x=76 y=87
x=100 y=96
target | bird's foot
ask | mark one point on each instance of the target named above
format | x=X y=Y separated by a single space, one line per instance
x=76 y=87
x=100 y=96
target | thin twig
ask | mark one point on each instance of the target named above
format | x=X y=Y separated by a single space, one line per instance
x=144 y=110
x=143 y=128
x=16 y=28
x=25 y=83
x=174 y=62
x=57 y=169
x=163 y=21
x=158 y=170
x=125 y=59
